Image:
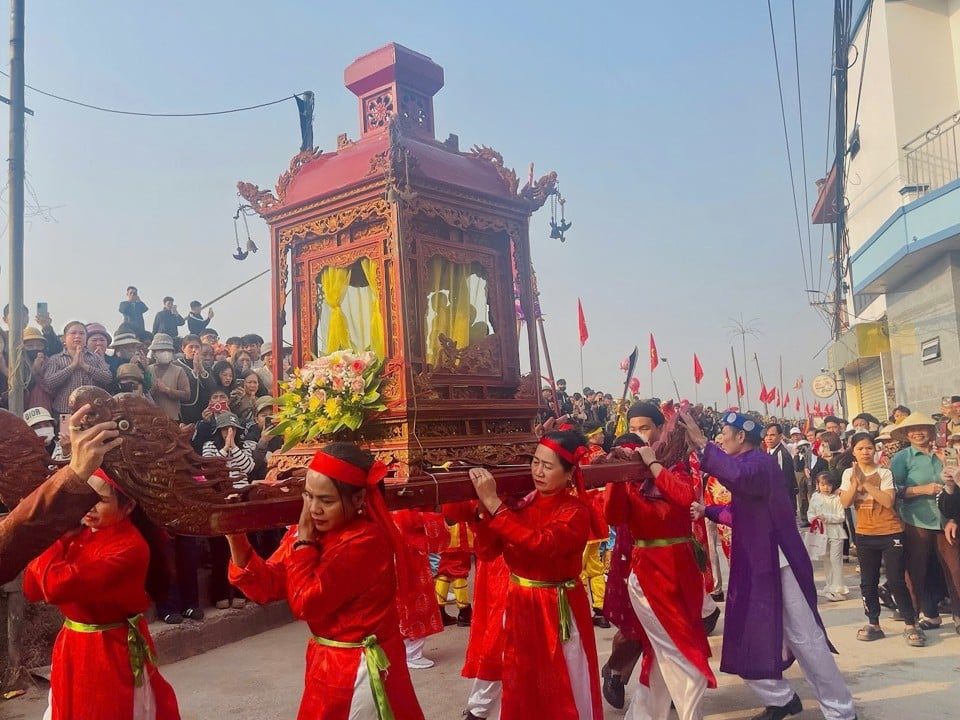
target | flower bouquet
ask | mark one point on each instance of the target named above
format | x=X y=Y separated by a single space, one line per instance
x=328 y=394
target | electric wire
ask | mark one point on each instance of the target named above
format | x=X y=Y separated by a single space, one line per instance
x=116 y=111
x=826 y=164
x=786 y=139
x=803 y=150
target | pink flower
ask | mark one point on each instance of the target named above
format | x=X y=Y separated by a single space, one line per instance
x=337 y=383
x=358 y=366
x=625 y=364
x=320 y=395
x=357 y=386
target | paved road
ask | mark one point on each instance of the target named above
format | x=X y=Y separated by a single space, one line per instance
x=261 y=678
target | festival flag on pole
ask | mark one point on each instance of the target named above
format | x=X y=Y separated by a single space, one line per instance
x=697 y=369
x=776 y=398
x=816 y=407
x=583 y=323
x=740 y=390
x=797 y=405
x=726 y=382
x=764 y=397
x=808 y=409
x=629 y=365
x=654 y=357
x=786 y=400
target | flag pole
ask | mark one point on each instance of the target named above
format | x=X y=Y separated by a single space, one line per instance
x=736 y=377
x=672 y=378
x=581 y=366
x=781 y=383
x=766 y=406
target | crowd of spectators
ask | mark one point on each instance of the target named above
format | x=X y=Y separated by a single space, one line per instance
x=219 y=390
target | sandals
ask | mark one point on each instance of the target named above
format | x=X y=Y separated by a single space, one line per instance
x=915 y=637
x=928 y=624
x=869 y=633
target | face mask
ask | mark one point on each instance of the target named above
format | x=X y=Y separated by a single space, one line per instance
x=46 y=434
x=164 y=357
x=31 y=354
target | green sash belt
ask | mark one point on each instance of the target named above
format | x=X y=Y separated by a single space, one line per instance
x=563 y=604
x=662 y=542
x=137 y=646
x=699 y=552
x=377 y=663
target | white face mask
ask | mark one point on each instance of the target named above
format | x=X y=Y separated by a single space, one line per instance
x=164 y=357
x=46 y=433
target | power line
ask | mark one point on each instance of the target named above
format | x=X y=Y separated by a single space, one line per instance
x=786 y=139
x=803 y=150
x=826 y=162
x=115 y=111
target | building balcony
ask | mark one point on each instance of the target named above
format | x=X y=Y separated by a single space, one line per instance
x=931 y=160
x=911 y=237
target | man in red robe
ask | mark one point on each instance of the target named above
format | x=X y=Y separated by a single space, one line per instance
x=666 y=587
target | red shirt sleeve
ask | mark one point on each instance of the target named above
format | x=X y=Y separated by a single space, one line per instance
x=566 y=531
x=264 y=580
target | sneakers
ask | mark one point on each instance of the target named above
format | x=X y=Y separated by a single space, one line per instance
x=193 y=614
x=238 y=603
x=717 y=596
x=464 y=616
x=173 y=619
x=613 y=689
x=779 y=712
x=420 y=663
x=834 y=597
x=222 y=604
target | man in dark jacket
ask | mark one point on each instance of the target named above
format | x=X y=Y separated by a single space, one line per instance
x=773 y=442
x=168 y=321
x=133 y=309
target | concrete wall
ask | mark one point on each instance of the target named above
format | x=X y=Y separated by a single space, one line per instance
x=927 y=306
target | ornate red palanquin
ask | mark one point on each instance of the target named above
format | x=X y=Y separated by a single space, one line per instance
x=423 y=252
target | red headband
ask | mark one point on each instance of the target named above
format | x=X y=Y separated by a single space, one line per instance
x=108 y=480
x=343 y=471
x=574 y=458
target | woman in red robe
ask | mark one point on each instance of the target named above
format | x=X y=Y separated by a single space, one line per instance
x=550 y=664
x=339 y=570
x=101 y=579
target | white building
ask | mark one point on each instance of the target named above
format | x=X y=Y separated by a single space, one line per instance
x=903 y=208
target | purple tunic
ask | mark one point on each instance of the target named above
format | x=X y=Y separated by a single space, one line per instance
x=763 y=519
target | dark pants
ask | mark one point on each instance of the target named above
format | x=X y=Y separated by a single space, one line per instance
x=921 y=545
x=220 y=587
x=183 y=554
x=888 y=549
x=624 y=655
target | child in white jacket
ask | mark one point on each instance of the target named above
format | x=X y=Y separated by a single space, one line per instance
x=825 y=506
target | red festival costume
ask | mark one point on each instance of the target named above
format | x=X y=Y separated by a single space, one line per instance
x=668 y=574
x=423 y=532
x=345 y=589
x=542 y=542
x=97 y=580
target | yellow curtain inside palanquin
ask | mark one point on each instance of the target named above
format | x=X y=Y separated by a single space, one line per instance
x=377 y=340
x=348 y=307
x=450 y=309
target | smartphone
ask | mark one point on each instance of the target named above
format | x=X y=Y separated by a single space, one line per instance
x=218 y=407
x=42 y=309
x=65 y=424
x=951 y=457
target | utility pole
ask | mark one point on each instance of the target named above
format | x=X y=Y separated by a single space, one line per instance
x=842 y=23
x=12 y=592
x=15 y=213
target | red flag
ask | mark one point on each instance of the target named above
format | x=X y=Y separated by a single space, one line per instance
x=776 y=398
x=786 y=400
x=763 y=394
x=583 y=323
x=828 y=409
x=726 y=382
x=816 y=407
x=808 y=410
x=798 y=405
x=772 y=395
x=697 y=369
x=740 y=390
x=654 y=357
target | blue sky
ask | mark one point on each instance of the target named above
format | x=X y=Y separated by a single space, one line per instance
x=662 y=119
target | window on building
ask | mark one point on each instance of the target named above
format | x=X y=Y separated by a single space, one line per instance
x=930 y=350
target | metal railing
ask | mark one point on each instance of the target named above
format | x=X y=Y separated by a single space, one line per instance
x=932 y=159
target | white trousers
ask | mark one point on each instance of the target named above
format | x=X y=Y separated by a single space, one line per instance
x=414 y=648
x=804 y=638
x=833 y=567
x=363 y=706
x=484 y=699
x=578 y=669
x=709 y=605
x=672 y=676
